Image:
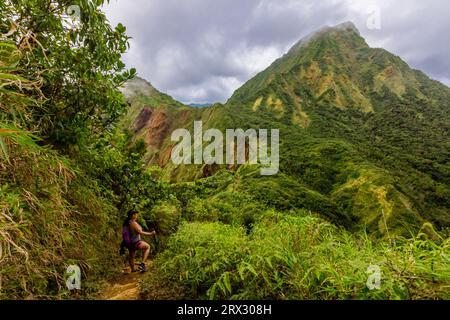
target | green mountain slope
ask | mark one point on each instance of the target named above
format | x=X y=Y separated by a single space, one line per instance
x=364 y=138
x=153 y=116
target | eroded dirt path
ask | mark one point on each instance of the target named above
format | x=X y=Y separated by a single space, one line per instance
x=125 y=286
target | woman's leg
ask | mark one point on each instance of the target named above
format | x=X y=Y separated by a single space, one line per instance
x=131 y=259
x=146 y=248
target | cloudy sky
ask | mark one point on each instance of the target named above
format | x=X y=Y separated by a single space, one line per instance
x=202 y=50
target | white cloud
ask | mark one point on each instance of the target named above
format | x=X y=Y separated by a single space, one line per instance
x=202 y=50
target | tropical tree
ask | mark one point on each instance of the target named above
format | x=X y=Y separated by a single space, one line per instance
x=75 y=55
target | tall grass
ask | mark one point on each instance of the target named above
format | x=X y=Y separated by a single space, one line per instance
x=301 y=257
x=51 y=215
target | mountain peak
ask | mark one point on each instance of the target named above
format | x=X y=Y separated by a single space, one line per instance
x=136 y=85
x=347 y=26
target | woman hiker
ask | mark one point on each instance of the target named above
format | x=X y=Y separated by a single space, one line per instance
x=133 y=241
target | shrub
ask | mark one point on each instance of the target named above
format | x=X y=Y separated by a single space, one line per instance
x=298 y=256
x=199 y=253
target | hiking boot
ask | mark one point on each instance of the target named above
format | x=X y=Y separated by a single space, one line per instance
x=142 y=267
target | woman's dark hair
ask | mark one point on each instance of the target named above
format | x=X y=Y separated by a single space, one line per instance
x=129 y=216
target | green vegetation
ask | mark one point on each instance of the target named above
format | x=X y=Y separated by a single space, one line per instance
x=368 y=151
x=364 y=175
x=298 y=256
x=359 y=127
x=364 y=181
x=52 y=215
x=67 y=174
x=232 y=243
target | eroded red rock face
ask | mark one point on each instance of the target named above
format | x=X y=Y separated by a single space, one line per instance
x=142 y=119
x=156 y=124
x=157 y=128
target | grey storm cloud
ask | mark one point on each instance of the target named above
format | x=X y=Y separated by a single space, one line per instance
x=202 y=50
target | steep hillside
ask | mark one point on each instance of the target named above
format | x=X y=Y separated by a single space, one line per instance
x=153 y=116
x=68 y=175
x=380 y=129
x=364 y=138
x=52 y=212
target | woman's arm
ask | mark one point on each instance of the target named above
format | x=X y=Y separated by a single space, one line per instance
x=136 y=227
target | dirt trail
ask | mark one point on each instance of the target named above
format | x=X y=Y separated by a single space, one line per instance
x=125 y=286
